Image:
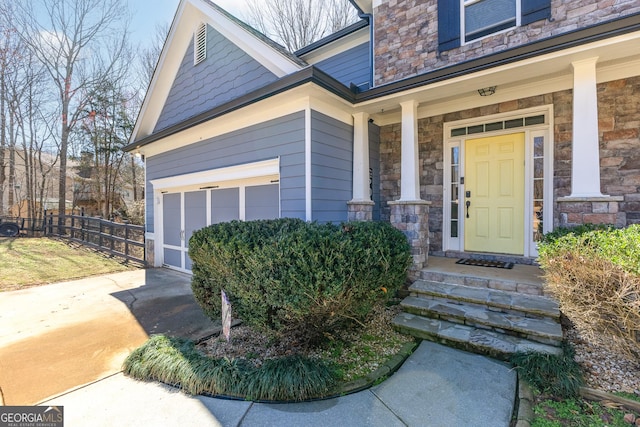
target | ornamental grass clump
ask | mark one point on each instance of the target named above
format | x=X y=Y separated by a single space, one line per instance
x=594 y=273
x=177 y=362
x=287 y=276
x=557 y=374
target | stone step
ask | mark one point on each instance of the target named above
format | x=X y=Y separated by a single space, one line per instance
x=497 y=300
x=545 y=331
x=523 y=284
x=468 y=338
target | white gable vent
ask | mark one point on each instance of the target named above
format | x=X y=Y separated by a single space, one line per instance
x=200 y=44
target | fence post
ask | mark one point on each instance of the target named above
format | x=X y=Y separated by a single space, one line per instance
x=126 y=240
x=82 y=225
x=100 y=232
x=112 y=245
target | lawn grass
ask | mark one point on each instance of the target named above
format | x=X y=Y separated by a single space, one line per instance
x=551 y=412
x=26 y=262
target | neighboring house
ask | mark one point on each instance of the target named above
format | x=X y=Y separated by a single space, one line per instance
x=473 y=126
x=15 y=195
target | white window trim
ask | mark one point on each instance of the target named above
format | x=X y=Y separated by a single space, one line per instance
x=465 y=3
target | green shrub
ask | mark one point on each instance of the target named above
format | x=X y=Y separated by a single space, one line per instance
x=595 y=276
x=559 y=375
x=289 y=276
x=177 y=362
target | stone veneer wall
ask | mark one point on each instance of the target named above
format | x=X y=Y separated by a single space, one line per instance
x=619 y=131
x=619 y=122
x=406 y=37
x=149 y=253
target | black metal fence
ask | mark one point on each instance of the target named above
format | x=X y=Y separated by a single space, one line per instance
x=117 y=239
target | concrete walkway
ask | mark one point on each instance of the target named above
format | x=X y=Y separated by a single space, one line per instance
x=60 y=336
x=436 y=386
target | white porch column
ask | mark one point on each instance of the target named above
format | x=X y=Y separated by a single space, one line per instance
x=409 y=178
x=361 y=157
x=585 y=159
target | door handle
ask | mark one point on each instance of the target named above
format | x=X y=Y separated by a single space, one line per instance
x=468 y=203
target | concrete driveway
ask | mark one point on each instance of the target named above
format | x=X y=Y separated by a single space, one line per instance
x=59 y=337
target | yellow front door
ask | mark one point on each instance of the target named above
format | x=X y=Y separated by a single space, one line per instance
x=494 y=194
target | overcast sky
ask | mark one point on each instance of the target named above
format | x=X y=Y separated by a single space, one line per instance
x=148 y=13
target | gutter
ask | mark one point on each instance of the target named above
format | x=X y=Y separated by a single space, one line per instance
x=309 y=74
x=331 y=38
x=568 y=40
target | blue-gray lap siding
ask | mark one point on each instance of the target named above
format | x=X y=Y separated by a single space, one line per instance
x=331 y=168
x=350 y=66
x=283 y=137
x=226 y=73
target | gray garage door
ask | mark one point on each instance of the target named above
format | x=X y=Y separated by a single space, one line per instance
x=185 y=212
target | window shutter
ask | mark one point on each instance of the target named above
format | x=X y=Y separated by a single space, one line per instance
x=535 y=10
x=448 y=24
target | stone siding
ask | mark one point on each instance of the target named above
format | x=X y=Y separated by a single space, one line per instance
x=406 y=34
x=619 y=121
x=619 y=134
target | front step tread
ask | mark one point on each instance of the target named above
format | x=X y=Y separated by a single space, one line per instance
x=468 y=337
x=473 y=316
x=490 y=297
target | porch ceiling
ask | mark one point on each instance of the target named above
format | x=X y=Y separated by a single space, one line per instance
x=618 y=57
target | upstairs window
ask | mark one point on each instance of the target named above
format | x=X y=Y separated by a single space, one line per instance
x=483 y=17
x=462 y=21
x=200 y=44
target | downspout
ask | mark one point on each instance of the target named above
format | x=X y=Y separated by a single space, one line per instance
x=369 y=18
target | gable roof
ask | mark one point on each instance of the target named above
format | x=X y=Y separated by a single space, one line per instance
x=189 y=15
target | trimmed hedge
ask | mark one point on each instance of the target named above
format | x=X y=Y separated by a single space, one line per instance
x=290 y=276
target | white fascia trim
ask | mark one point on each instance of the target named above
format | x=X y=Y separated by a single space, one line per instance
x=189 y=14
x=270 y=58
x=168 y=65
x=332 y=49
x=528 y=89
x=245 y=171
x=293 y=101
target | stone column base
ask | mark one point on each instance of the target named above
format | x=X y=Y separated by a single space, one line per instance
x=590 y=210
x=412 y=218
x=149 y=252
x=360 y=210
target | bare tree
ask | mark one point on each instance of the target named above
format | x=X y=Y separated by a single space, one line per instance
x=34 y=132
x=298 y=23
x=79 y=43
x=149 y=55
x=24 y=127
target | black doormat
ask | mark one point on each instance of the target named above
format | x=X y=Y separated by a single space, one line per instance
x=484 y=263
